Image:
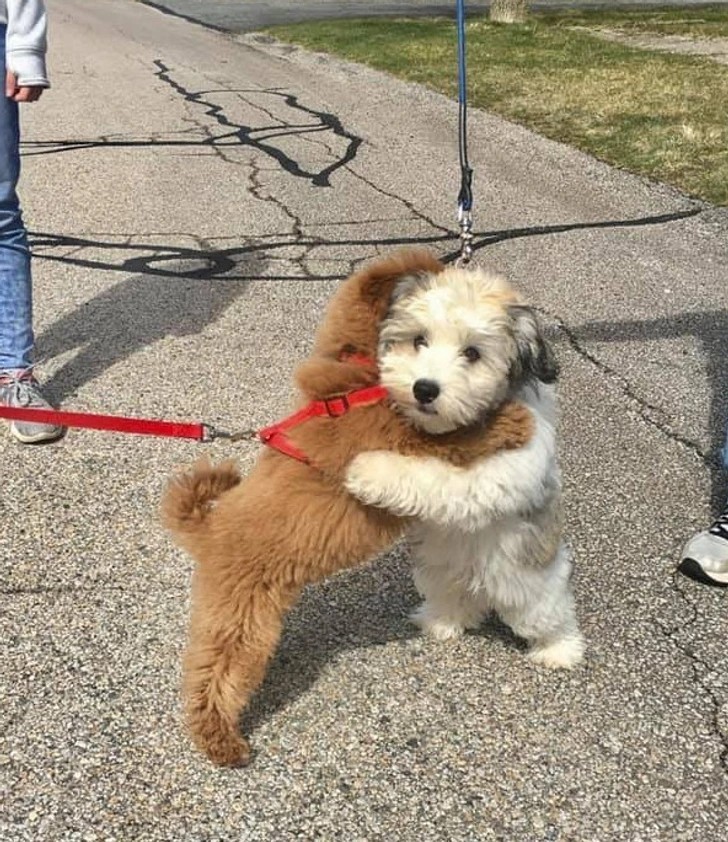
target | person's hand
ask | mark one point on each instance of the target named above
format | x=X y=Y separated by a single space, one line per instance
x=21 y=93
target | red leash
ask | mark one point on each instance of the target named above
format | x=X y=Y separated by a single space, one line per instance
x=113 y=423
x=274 y=436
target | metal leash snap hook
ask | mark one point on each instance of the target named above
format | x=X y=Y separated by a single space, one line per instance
x=465 y=218
x=210 y=433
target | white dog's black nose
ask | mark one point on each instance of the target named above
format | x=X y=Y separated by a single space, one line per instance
x=426 y=390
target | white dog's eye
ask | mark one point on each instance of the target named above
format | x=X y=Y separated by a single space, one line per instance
x=471 y=354
x=420 y=342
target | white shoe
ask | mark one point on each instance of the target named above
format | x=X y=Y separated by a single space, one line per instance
x=705 y=556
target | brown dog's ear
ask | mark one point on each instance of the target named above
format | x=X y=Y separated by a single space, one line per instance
x=355 y=312
x=383 y=276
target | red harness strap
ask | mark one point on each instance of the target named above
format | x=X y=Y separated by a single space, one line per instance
x=275 y=435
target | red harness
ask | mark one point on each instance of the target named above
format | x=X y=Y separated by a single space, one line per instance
x=276 y=436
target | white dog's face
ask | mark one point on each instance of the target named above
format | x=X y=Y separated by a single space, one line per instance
x=454 y=345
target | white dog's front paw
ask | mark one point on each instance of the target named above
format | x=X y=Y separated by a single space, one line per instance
x=365 y=474
x=564 y=653
x=437 y=626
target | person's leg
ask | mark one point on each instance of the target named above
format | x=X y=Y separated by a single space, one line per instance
x=705 y=556
x=16 y=317
x=18 y=387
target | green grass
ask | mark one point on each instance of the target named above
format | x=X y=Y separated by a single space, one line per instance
x=657 y=114
x=708 y=22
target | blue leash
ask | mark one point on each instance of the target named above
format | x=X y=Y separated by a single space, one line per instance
x=465 y=196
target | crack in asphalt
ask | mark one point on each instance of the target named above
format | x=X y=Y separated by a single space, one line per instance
x=646 y=410
x=324 y=121
x=698 y=665
x=416 y=213
x=257 y=189
x=700 y=668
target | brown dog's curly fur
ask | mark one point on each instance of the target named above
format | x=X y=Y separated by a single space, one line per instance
x=258 y=542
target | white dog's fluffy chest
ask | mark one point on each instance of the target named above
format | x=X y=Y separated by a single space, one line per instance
x=487 y=513
x=465 y=500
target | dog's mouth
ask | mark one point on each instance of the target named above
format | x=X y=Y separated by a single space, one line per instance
x=426 y=408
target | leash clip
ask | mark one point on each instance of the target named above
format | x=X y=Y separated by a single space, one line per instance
x=210 y=433
x=465 y=218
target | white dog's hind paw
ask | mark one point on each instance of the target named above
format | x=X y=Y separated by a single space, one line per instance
x=564 y=653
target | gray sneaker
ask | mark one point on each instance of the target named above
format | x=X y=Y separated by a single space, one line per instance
x=21 y=389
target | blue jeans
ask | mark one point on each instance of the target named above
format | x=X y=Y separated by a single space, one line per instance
x=16 y=308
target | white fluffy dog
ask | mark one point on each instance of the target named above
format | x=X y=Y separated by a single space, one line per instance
x=453 y=347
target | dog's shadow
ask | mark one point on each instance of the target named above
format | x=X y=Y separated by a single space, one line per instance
x=358 y=609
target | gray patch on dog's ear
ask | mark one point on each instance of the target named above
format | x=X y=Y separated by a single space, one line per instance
x=408 y=285
x=535 y=357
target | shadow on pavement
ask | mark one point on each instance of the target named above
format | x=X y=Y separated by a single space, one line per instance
x=234 y=135
x=173 y=261
x=134 y=314
x=358 y=610
x=710 y=328
x=178 y=291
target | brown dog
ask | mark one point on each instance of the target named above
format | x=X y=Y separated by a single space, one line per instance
x=259 y=542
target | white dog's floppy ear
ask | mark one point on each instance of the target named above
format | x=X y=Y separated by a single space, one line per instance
x=535 y=357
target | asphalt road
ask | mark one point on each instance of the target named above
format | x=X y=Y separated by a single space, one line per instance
x=193 y=199
x=248 y=15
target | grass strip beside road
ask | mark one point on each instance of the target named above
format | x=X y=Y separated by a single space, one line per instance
x=706 y=22
x=657 y=114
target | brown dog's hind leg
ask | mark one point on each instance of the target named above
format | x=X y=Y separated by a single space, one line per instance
x=233 y=634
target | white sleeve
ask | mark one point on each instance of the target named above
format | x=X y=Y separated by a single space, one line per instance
x=25 y=42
